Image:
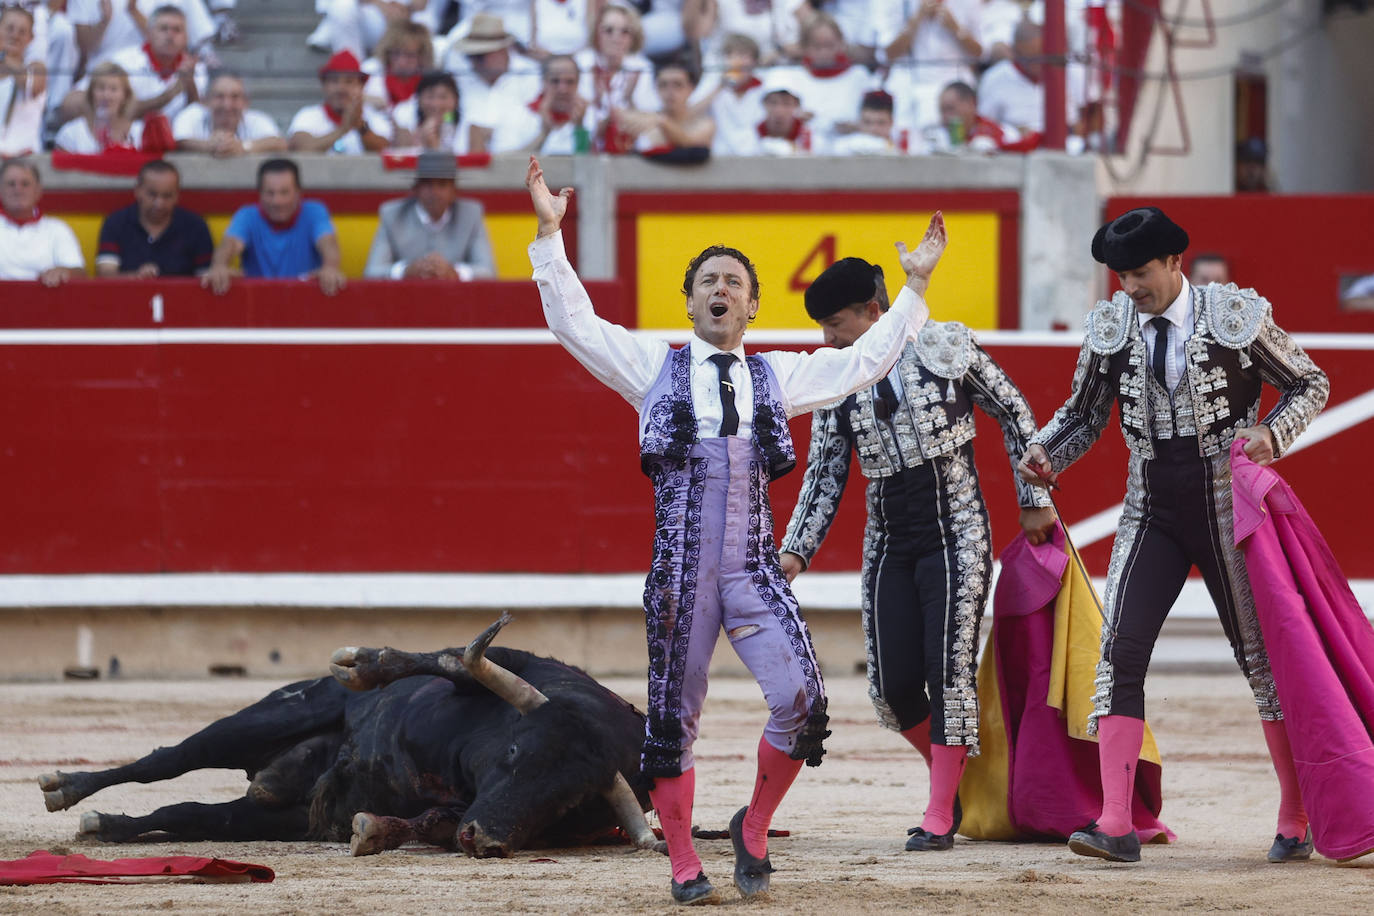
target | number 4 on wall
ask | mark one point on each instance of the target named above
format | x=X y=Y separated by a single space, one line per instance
x=822 y=252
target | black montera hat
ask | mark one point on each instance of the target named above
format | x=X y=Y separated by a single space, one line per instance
x=849 y=281
x=1137 y=237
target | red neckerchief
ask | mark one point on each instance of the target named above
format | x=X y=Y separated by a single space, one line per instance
x=840 y=65
x=745 y=86
x=336 y=117
x=162 y=74
x=985 y=127
x=37 y=215
x=557 y=117
x=792 y=135
x=106 y=140
x=400 y=88
x=1022 y=70
x=275 y=226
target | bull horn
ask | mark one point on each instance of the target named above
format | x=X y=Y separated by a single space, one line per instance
x=623 y=802
x=515 y=690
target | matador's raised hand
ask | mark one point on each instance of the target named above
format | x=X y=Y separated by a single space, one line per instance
x=548 y=207
x=920 y=263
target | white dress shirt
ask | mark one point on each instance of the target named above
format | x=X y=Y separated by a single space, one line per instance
x=629 y=363
x=1180 y=315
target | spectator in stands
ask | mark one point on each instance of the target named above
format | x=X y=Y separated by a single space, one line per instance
x=433 y=119
x=357 y=26
x=875 y=136
x=106 y=27
x=488 y=83
x=153 y=237
x=1209 y=267
x=106 y=119
x=854 y=18
x=1011 y=92
x=961 y=126
x=831 y=85
x=432 y=234
x=615 y=75
x=771 y=23
x=405 y=52
x=33 y=246
x=735 y=98
x=280 y=236
x=553 y=123
x=23 y=85
x=54 y=44
x=676 y=132
x=782 y=131
x=1252 y=166
x=561 y=26
x=165 y=76
x=997 y=21
x=929 y=44
x=514 y=15
x=341 y=123
x=224 y=125
x=664 y=38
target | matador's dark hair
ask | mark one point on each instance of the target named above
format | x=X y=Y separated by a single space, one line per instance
x=724 y=251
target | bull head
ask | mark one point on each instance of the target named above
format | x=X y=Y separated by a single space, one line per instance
x=525 y=697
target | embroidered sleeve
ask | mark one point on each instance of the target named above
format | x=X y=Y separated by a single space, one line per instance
x=827 y=470
x=1076 y=426
x=1303 y=387
x=993 y=390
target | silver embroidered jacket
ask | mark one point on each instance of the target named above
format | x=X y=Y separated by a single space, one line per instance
x=1234 y=347
x=943 y=374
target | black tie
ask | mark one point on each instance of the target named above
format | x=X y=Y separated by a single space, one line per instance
x=1161 y=326
x=729 y=424
x=886 y=404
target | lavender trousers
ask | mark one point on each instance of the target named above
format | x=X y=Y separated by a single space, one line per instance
x=716 y=567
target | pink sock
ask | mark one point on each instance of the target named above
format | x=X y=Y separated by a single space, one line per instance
x=946 y=769
x=672 y=800
x=776 y=772
x=919 y=736
x=1292 y=814
x=1118 y=748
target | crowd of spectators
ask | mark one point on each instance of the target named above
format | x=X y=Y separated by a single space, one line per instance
x=671 y=79
x=430 y=234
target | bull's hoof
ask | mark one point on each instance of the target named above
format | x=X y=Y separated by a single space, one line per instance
x=90 y=824
x=55 y=796
x=368 y=837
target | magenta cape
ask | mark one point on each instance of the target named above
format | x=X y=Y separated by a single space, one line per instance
x=1321 y=650
x=1037 y=775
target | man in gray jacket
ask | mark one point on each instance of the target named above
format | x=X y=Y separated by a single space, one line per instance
x=431 y=234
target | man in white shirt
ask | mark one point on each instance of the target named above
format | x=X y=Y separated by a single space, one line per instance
x=224 y=125
x=928 y=44
x=341 y=123
x=549 y=124
x=33 y=246
x=1012 y=91
x=105 y=27
x=713 y=434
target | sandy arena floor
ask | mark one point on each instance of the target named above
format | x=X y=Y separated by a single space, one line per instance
x=848 y=821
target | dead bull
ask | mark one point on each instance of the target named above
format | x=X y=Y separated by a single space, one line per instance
x=491 y=751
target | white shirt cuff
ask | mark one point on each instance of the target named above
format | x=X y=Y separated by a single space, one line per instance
x=398 y=270
x=546 y=250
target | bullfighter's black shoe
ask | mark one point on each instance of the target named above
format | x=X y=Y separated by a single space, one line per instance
x=958 y=815
x=1290 y=848
x=751 y=874
x=696 y=892
x=1090 y=841
x=925 y=841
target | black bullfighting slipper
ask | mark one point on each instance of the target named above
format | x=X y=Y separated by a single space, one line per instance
x=958 y=815
x=696 y=892
x=925 y=841
x=1290 y=848
x=1090 y=841
x=751 y=874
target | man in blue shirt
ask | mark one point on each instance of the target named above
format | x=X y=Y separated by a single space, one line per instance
x=153 y=237
x=279 y=236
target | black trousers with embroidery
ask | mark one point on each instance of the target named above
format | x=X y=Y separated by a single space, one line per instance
x=925 y=582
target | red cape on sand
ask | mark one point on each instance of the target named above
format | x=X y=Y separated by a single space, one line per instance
x=44 y=867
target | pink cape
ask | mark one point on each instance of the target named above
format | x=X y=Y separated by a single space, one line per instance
x=1321 y=651
x=44 y=867
x=1038 y=774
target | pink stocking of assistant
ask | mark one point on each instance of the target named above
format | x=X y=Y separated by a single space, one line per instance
x=1118 y=749
x=946 y=769
x=919 y=737
x=1292 y=814
x=672 y=798
x=776 y=773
